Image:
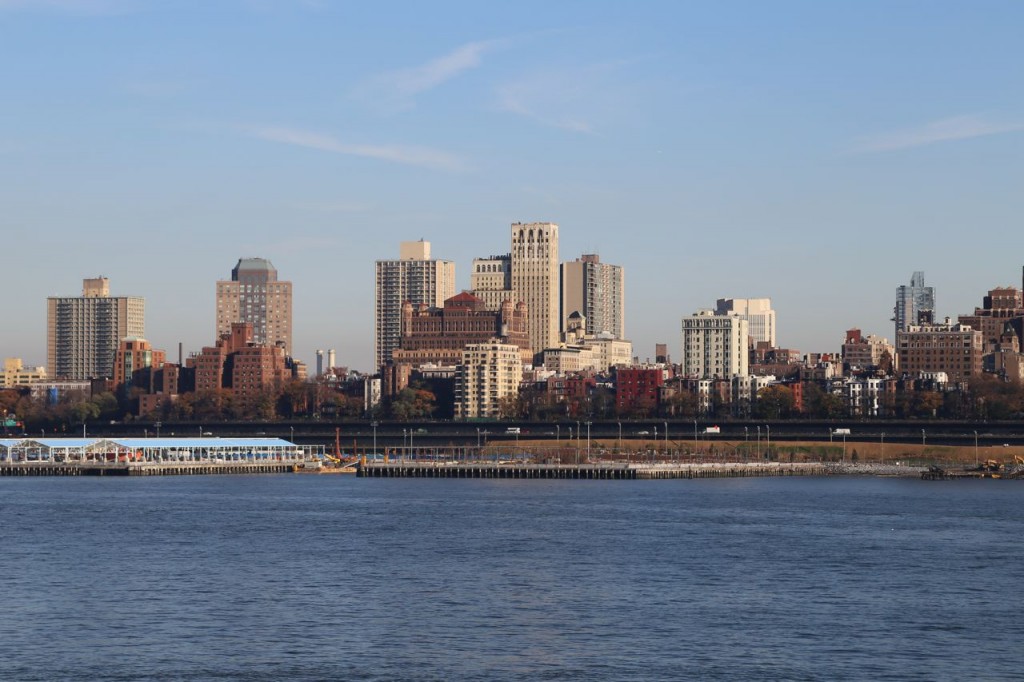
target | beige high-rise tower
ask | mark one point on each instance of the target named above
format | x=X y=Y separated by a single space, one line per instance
x=535 y=279
x=83 y=332
x=596 y=290
x=255 y=295
x=415 y=278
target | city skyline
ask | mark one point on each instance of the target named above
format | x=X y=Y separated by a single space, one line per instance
x=816 y=155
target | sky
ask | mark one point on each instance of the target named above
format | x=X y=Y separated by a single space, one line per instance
x=817 y=153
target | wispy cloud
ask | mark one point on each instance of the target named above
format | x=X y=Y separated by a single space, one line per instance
x=396 y=90
x=544 y=99
x=425 y=157
x=568 y=99
x=944 y=130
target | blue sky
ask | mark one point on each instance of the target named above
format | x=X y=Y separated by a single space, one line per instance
x=815 y=153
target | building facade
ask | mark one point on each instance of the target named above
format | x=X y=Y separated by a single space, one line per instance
x=865 y=352
x=596 y=290
x=83 y=332
x=491 y=280
x=756 y=311
x=254 y=295
x=915 y=304
x=637 y=389
x=953 y=349
x=715 y=346
x=488 y=374
x=239 y=364
x=17 y=374
x=437 y=336
x=413 y=278
x=534 y=266
x=1000 y=306
x=136 y=362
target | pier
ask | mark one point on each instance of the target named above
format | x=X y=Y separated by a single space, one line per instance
x=600 y=471
x=143 y=468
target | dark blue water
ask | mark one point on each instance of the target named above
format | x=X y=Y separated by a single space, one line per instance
x=331 y=577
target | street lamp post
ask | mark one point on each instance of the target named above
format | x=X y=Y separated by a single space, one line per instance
x=759 y=441
x=975 y=448
x=769 y=430
x=654 y=450
x=620 y=437
x=882 y=440
x=695 y=436
x=374 y=425
x=157 y=425
x=558 y=433
x=922 y=441
x=588 y=442
x=844 y=447
x=579 y=435
x=292 y=430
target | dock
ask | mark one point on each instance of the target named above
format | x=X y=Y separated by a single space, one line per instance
x=142 y=468
x=598 y=471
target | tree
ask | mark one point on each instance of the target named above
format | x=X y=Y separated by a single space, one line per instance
x=774 y=402
x=411 y=404
x=926 y=403
x=820 y=404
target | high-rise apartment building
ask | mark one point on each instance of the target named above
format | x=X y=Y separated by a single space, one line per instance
x=413 y=278
x=535 y=279
x=489 y=373
x=715 y=346
x=915 y=304
x=597 y=291
x=254 y=295
x=756 y=311
x=83 y=332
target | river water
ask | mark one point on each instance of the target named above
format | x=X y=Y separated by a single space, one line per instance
x=303 y=577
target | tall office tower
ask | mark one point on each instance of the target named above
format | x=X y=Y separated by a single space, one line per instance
x=415 y=278
x=915 y=304
x=596 y=290
x=535 y=280
x=756 y=311
x=715 y=345
x=83 y=332
x=319 y=362
x=491 y=281
x=254 y=295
